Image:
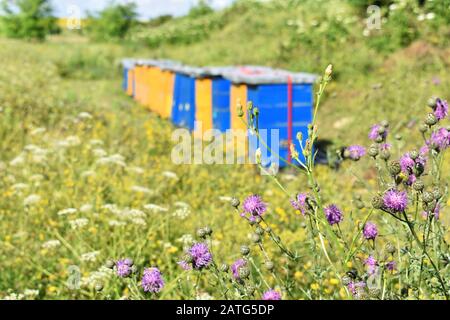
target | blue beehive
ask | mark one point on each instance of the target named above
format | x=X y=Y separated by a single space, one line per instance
x=285 y=102
x=127 y=65
x=183 y=105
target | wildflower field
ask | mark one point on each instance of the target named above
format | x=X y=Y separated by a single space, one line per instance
x=92 y=206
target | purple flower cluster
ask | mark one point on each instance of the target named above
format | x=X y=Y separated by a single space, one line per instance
x=198 y=257
x=440 y=139
x=436 y=212
x=152 y=280
x=441 y=109
x=271 y=295
x=355 y=152
x=374 y=132
x=124 y=267
x=371 y=265
x=300 y=203
x=370 y=231
x=391 y=266
x=354 y=287
x=333 y=214
x=395 y=201
x=236 y=266
x=254 y=207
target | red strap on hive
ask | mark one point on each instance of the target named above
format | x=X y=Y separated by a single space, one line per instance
x=289 y=118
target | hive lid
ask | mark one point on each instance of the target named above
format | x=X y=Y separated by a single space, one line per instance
x=195 y=72
x=255 y=75
x=128 y=63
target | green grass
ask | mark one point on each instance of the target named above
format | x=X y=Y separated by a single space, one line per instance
x=51 y=85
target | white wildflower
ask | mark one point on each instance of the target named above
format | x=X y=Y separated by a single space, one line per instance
x=79 y=223
x=14 y=296
x=96 y=142
x=182 y=213
x=31 y=293
x=17 y=161
x=430 y=16
x=37 y=131
x=88 y=173
x=204 y=296
x=139 y=221
x=170 y=175
x=19 y=187
x=31 y=200
x=116 y=223
x=186 y=239
x=139 y=189
x=51 y=244
x=99 y=153
x=225 y=198
x=86 y=208
x=67 y=211
x=89 y=256
x=155 y=208
x=136 y=170
x=85 y=116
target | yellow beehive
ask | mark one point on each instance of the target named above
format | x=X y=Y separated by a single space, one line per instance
x=203 y=111
x=168 y=83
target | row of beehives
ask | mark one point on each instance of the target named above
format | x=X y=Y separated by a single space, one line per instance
x=202 y=99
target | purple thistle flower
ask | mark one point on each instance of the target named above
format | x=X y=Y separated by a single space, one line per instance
x=254 y=206
x=385 y=146
x=124 y=267
x=391 y=266
x=271 y=295
x=436 y=212
x=370 y=231
x=152 y=280
x=371 y=265
x=356 y=152
x=424 y=150
x=395 y=200
x=236 y=266
x=300 y=203
x=407 y=163
x=334 y=214
x=440 y=139
x=374 y=132
x=441 y=110
x=199 y=256
x=355 y=286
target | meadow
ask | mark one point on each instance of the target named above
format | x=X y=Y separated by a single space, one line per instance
x=90 y=196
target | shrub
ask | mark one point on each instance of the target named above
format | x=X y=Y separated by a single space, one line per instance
x=32 y=20
x=114 y=22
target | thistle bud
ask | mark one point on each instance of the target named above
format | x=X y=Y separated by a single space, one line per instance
x=394 y=168
x=245 y=250
x=374 y=292
x=373 y=152
x=377 y=202
x=269 y=265
x=385 y=154
x=208 y=231
x=300 y=136
x=385 y=124
x=427 y=197
x=235 y=202
x=109 y=264
x=432 y=102
x=418 y=185
x=269 y=230
x=224 y=267
x=390 y=248
x=201 y=233
x=256 y=238
x=437 y=194
x=98 y=286
x=244 y=273
x=346 y=280
x=258 y=155
x=423 y=128
x=259 y=231
x=431 y=120
x=239 y=109
x=294 y=153
x=250 y=289
x=329 y=70
x=414 y=154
